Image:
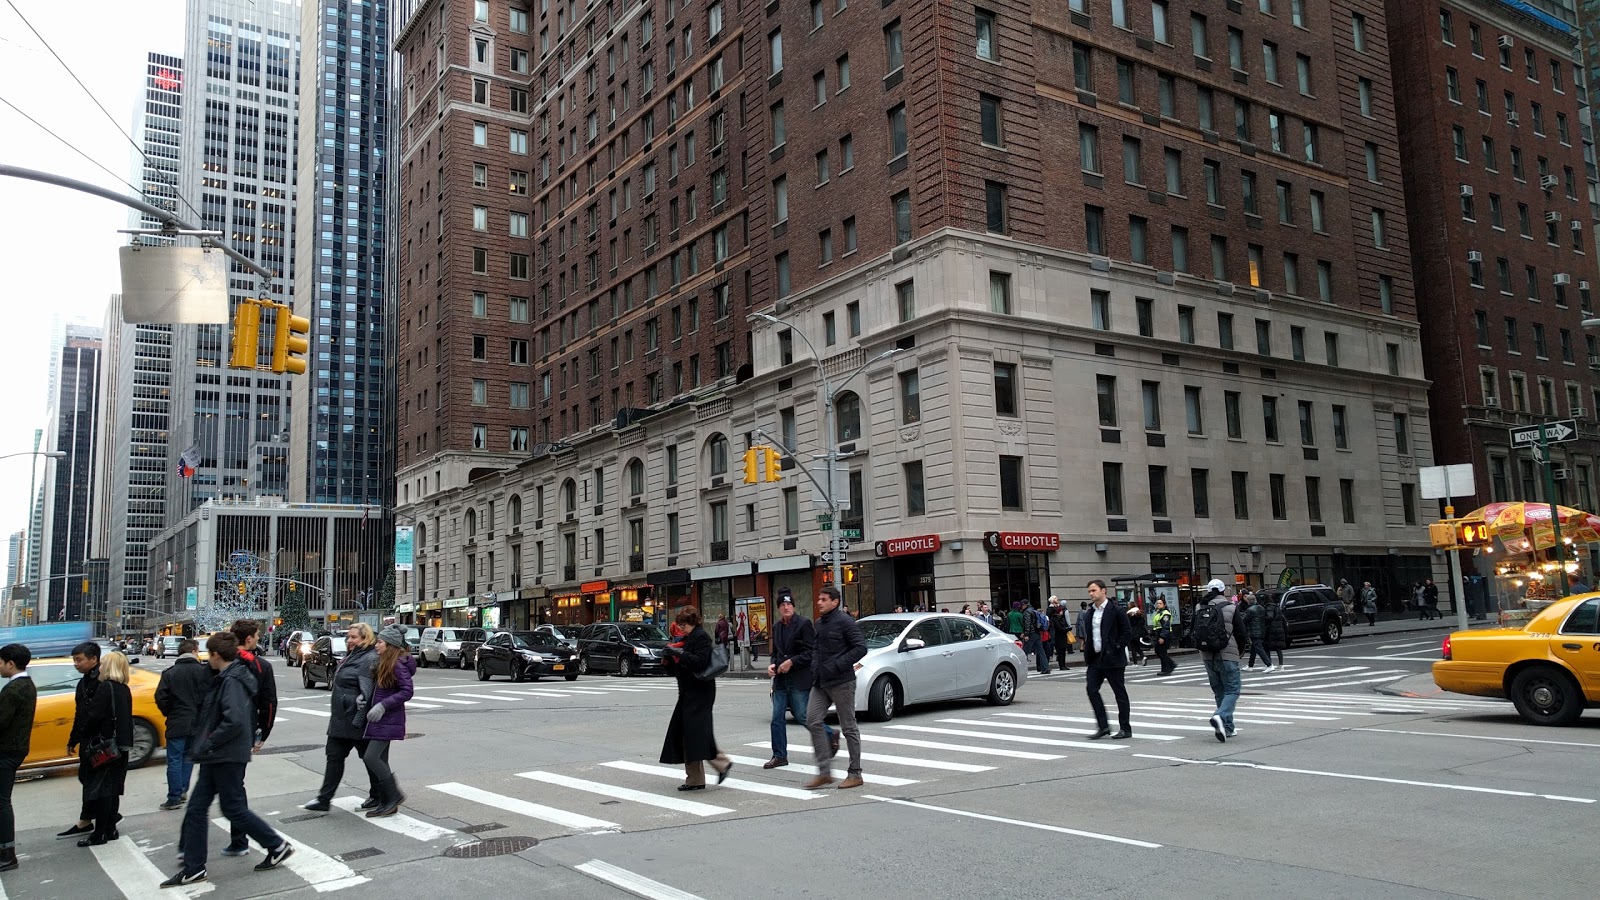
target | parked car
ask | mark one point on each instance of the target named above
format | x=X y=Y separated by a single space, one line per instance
x=1549 y=668
x=56 y=681
x=318 y=665
x=525 y=654
x=442 y=646
x=566 y=634
x=921 y=657
x=622 y=647
x=167 y=645
x=298 y=647
x=413 y=638
x=1310 y=610
x=470 y=642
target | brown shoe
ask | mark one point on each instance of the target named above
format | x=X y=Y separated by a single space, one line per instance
x=777 y=762
x=821 y=781
x=853 y=781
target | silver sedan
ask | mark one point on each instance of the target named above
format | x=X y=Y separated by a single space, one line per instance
x=922 y=657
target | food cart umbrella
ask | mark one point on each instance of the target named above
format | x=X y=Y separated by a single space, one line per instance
x=1518 y=523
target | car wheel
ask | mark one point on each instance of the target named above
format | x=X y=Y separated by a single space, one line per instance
x=1332 y=631
x=464 y=664
x=144 y=743
x=572 y=676
x=583 y=665
x=625 y=666
x=882 y=699
x=518 y=674
x=305 y=678
x=483 y=673
x=1546 y=695
x=1002 y=686
x=422 y=660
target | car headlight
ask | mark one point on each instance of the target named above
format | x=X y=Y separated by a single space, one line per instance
x=304 y=650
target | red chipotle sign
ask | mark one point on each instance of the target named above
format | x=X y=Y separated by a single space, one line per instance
x=1021 y=541
x=926 y=543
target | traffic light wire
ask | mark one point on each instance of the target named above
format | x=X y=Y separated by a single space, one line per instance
x=70 y=145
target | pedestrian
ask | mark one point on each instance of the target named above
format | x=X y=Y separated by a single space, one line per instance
x=839 y=646
x=1276 y=631
x=1104 y=632
x=1347 y=596
x=1214 y=627
x=222 y=748
x=107 y=736
x=1430 y=599
x=984 y=614
x=86 y=660
x=1255 y=629
x=1033 y=630
x=1059 y=629
x=1016 y=625
x=1240 y=636
x=18 y=700
x=1137 y=634
x=793 y=639
x=1161 y=629
x=386 y=717
x=248 y=633
x=724 y=636
x=691 y=737
x=350 y=691
x=966 y=609
x=1369 y=602
x=183 y=687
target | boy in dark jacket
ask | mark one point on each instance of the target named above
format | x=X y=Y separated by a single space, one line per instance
x=248 y=633
x=179 y=695
x=222 y=745
x=17 y=701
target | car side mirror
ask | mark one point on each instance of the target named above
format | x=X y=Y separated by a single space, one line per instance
x=912 y=644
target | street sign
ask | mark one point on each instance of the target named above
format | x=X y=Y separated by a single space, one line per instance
x=824 y=519
x=852 y=534
x=1441 y=482
x=1554 y=433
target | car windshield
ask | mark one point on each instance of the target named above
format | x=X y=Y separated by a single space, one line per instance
x=533 y=640
x=338 y=645
x=881 y=632
x=636 y=632
x=449 y=634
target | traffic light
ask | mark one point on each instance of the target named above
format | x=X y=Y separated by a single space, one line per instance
x=773 y=463
x=246 y=334
x=751 y=466
x=289 y=347
x=1473 y=534
x=241 y=588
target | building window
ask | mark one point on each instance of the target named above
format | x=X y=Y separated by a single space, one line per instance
x=1094 y=230
x=1011 y=482
x=916 y=505
x=1241 y=495
x=1269 y=418
x=989 y=120
x=1200 y=487
x=905 y=295
x=1225 y=330
x=987 y=44
x=1150 y=393
x=1308 y=431
x=902 y=217
x=1158 y=492
x=1230 y=409
x=1105 y=388
x=910 y=397
x=1000 y=292
x=1347 y=499
x=1005 y=389
x=1111 y=478
x=1193 y=410
x=1402 y=439
x=994 y=199
x=1144 y=312
x=1280 y=500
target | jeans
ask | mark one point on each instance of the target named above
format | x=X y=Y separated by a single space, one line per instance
x=8 y=819
x=1224 y=677
x=1035 y=648
x=843 y=697
x=1258 y=647
x=787 y=700
x=223 y=782
x=1097 y=675
x=179 y=768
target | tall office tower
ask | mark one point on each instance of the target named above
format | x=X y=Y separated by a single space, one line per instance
x=66 y=535
x=14 y=545
x=339 y=428
x=1492 y=112
x=158 y=130
x=238 y=136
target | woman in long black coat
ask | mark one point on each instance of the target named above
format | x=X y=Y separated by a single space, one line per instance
x=111 y=717
x=690 y=737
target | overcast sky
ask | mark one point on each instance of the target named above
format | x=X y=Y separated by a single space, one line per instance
x=58 y=249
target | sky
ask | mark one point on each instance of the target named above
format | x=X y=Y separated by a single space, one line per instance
x=58 y=248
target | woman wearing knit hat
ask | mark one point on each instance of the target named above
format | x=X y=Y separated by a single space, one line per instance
x=386 y=716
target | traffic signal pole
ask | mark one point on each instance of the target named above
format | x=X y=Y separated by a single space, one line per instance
x=1555 y=516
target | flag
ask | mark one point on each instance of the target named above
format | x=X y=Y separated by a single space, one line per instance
x=187 y=462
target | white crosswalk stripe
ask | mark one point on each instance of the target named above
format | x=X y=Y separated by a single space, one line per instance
x=520 y=807
x=884 y=780
x=318 y=869
x=399 y=823
x=889 y=759
x=1060 y=730
x=623 y=793
x=736 y=784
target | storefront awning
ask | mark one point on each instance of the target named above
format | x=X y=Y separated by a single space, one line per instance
x=429 y=606
x=457 y=602
x=725 y=570
x=785 y=563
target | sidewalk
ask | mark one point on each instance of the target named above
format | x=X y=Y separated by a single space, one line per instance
x=1419 y=687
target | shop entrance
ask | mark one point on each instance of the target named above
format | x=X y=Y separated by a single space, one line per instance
x=913 y=582
x=1018 y=578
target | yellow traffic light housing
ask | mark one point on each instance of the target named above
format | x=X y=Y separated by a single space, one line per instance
x=246 y=334
x=751 y=466
x=289 y=348
x=774 y=463
x=1473 y=534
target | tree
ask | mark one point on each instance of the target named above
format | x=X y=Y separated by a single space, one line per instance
x=292 y=609
x=385 y=599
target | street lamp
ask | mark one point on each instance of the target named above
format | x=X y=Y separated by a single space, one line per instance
x=830 y=394
x=47 y=454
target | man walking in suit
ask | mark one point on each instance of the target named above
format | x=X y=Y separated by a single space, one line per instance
x=1104 y=632
x=17 y=701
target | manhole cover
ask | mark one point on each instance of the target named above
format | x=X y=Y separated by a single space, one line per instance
x=479 y=829
x=289 y=748
x=359 y=854
x=500 y=846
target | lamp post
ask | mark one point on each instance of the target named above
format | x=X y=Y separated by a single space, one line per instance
x=33 y=479
x=831 y=455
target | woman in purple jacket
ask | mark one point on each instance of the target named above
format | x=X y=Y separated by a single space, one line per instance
x=386 y=717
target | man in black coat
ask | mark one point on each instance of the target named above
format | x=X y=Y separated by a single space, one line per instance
x=839 y=646
x=1104 y=631
x=792 y=638
x=248 y=633
x=17 y=702
x=86 y=659
x=182 y=689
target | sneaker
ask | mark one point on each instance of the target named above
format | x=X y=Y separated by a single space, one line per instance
x=236 y=850
x=185 y=878
x=1216 y=725
x=1269 y=669
x=1233 y=733
x=172 y=804
x=274 y=857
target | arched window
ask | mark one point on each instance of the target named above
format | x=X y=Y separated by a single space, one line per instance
x=847 y=413
x=488 y=518
x=472 y=524
x=718 y=447
x=569 y=496
x=636 y=478
x=422 y=535
x=514 y=510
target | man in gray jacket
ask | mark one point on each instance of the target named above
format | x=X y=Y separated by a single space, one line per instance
x=1222 y=664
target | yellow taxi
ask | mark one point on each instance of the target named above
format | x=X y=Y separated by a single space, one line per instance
x=56 y=681
x=1549 y=668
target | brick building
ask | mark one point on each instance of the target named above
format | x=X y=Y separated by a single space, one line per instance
x=1147 y=265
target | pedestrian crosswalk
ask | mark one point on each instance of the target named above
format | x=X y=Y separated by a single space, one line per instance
x=454 y=697
x=1297 y=676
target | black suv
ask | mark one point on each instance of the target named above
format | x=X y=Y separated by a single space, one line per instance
x=626 y=648
x=1311 y=610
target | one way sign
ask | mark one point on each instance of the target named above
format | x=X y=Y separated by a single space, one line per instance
x=1554 y=433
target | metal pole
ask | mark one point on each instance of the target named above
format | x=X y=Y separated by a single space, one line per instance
x=1555 y=517
x=33 y=478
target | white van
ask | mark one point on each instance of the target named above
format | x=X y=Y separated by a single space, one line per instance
x=441 y=647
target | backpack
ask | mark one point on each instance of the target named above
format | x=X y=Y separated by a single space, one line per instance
x=1210 y=631
x=1043 y=622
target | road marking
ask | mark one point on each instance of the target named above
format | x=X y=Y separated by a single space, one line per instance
x=633 y=883
x=1206 y=709
x=524 y=808
x=1312 y=687
x=588 y=690
x=412 y=704
x=489 y=696
x=1264 y=678
x=1358 y=658
x=135 y=875
x=804 y=769
x=1139 y=723
x=318 y=869
x=1452 y=702
x=1014 y=738
x=622 y=793
x=1477 y=737
x=1018 y=822
x=892 y=760
x=1435 y=644
x=754 y=787
x=1374 y=778
x=454 y=702
x=310 y=712
x=399 y=823
x=959 y=748
x=512 y=694
x=1056 y=729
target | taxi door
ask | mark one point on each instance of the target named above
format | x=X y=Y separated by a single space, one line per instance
x=1578 y=645
x=56 y=684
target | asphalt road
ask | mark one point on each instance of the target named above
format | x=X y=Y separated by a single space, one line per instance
x=553 y=789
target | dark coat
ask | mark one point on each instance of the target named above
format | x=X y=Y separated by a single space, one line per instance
x=18 y=699
x=266 y=692
x=227 y=718
x=1115 y=634
x=110 y=715
x=793 y=643
x=1255 y=624
x=838 y=648
x=690 y=735
x=1275 y=627
x=83 y=698
x=351 y=689
x=179 y=695
x=392 y=727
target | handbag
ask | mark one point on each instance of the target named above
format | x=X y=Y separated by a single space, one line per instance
x=717 y=665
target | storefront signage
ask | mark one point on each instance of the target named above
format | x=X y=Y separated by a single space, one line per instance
x=428 y=606
x=593 y=587
x=404 y=607
x=457 y=602
x=1021 y=541
x=925 y=543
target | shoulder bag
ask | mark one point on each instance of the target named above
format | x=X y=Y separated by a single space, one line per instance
x=103 y=750
x=717 y=665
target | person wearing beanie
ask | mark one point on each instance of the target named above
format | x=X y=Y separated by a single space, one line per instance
x=386 y=716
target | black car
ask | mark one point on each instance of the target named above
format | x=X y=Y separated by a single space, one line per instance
x=298 y=647
x=621 y=647
x=318 y=665
x=470 y=642
x=525 y=654
x=566 y=634
x=1310 y=610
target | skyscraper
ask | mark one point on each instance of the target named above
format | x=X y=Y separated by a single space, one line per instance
x=13 y=566
x=238 y=136
x=67 y=530
x=339 y=429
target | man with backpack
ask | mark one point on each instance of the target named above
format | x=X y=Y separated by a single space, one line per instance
x=1214 y=638
x=1035 y=631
